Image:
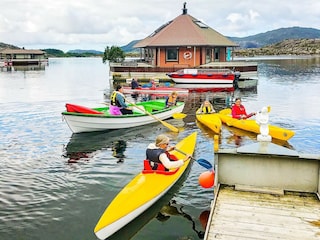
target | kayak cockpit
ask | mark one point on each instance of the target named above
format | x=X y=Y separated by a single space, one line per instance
x=147 y=169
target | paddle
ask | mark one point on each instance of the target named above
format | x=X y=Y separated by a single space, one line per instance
x=169 y=126
x=203 y=162
x=179 y=115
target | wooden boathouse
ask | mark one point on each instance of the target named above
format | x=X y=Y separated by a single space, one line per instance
x=265 y=191
x=184 y=42
x=15 y=57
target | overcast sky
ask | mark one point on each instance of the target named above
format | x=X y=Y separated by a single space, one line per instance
x=95 y=24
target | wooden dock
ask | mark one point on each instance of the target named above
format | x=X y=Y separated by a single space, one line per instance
x=265 y=191
x=247 y=215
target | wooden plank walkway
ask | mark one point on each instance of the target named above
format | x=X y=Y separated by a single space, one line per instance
x=251 y=215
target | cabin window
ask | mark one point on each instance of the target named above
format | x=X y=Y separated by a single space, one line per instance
x=216 y=54
x=172 y=54
x=208 y=55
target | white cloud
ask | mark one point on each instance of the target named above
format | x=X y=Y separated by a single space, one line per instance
x=96 y=24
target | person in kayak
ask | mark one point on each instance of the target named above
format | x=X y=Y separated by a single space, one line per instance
x=206 y=107
x=171 y=100
x=157 y=154
x=118 y=104
x=134 y=83
x=239 y=111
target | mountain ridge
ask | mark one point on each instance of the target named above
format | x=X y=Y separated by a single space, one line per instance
x=276 y=36
x=259 y=40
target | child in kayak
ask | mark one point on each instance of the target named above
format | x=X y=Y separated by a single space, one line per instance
x=206 y=107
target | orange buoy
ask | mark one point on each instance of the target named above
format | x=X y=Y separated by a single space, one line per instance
x=206 y=179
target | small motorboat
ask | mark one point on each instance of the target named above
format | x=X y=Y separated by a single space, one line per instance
x=202 y=75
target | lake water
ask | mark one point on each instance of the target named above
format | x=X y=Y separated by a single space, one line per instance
x=55 y=185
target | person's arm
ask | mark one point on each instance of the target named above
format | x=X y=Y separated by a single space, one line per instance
x=247 y=115
x=212 y=109
x=121 y=101
x=167 y=99
x=170 y=164
x=199 y=111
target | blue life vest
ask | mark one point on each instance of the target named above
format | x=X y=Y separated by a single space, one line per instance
x=153 y=156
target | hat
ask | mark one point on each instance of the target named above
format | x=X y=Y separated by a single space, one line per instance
x=161 y=139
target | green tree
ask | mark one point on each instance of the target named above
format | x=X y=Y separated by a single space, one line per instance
x=113 y=54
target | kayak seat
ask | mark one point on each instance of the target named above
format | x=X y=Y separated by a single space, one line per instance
x=147 y=168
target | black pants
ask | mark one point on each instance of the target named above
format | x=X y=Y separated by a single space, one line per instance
x=125 y=111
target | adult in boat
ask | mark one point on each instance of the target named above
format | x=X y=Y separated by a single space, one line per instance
x=157 y=154
x=134 y=83
x=206 y=107
x=171 y=100
x=239 y=111
x=118 y=104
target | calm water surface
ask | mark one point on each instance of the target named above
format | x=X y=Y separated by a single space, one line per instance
x=55 y=185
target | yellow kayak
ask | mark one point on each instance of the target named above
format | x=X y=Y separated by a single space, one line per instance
x=211 y=120
x=142 y=192
x=251 y=126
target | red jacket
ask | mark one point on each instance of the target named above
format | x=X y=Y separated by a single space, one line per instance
x=239 y=112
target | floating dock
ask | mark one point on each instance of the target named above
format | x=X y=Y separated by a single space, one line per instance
x=265 y=191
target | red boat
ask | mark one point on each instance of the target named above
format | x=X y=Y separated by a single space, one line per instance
x=201 y=75
x=207 y=87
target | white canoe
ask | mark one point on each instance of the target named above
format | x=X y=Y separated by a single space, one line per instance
x=101 y=120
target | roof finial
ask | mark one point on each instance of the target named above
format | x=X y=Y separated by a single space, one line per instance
x=184 y=10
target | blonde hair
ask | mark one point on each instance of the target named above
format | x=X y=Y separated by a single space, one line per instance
x=161 y=139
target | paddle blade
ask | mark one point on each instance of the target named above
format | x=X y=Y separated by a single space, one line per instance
x=169 y=126
x=179 y=115
x=204 y=163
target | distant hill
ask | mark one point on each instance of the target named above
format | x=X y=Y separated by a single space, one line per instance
x=80 y=51
x=286 y=47
x=276 y=36
x=4 y=45
x=129 y=47
x=255 y=41
x=261 y=39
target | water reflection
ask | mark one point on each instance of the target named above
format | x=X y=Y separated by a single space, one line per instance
x=172 y=209
x=118 y=150
x=84 y=146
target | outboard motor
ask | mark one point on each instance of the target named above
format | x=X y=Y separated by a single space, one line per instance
x=237 y=75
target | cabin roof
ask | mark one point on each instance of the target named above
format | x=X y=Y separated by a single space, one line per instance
x=185 y=30
x=21 y=51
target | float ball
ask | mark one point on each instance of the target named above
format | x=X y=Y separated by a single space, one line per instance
x=206 y=179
